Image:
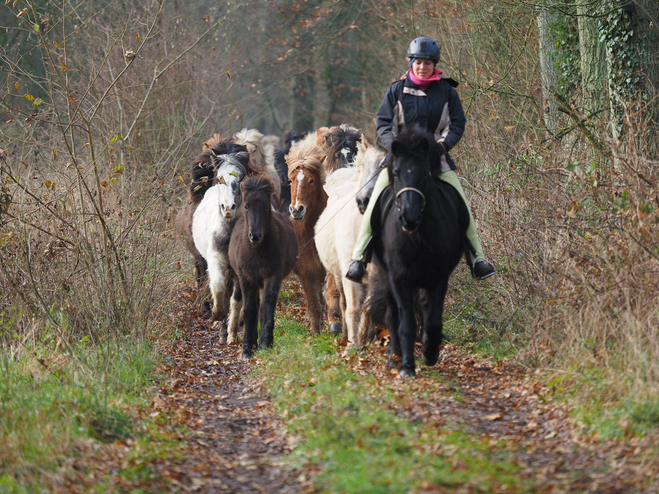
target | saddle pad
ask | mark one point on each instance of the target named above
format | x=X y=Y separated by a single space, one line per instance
x=381 y=209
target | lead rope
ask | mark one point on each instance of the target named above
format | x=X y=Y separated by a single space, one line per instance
x=313 y=237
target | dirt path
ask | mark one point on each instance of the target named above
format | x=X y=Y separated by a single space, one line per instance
x=236 y=440
x=237 y=443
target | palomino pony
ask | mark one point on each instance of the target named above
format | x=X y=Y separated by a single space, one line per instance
x=336 y=232
x=252 y=140
x=419 y=245
x=216 y=210
x=308 y=200
x=262 y=251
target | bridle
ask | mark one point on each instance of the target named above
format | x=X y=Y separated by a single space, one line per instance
x=411 y=189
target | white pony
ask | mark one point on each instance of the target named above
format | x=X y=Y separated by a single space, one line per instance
x=252 y=139
x=213 y=221
x=338 y=227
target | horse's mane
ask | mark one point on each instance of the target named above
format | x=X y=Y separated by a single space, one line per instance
x=336 y=139
x=306 y=155
x=205 y=165
x=291 y=137
x=342 y=182
x=251 y=139
x=257 y=183
x=411 y=140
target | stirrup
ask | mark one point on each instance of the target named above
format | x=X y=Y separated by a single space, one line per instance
x=482 y=269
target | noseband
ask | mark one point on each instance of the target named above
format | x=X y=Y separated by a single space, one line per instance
x=411 y=189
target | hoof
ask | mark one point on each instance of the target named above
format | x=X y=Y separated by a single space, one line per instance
x=247 y=355
x=265 y=346
x=232 y=339
x=222 y=339
x=430 y=358
x=406 y=372
x=392 y=363
x=335 y=328
x=205 y=310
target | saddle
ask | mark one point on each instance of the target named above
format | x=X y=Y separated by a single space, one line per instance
x=387 y=198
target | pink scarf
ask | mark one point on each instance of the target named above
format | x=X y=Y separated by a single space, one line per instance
x=424 y=83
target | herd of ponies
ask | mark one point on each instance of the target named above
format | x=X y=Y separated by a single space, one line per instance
x=255 y=213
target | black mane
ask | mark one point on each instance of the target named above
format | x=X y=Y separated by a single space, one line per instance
x=205 y=165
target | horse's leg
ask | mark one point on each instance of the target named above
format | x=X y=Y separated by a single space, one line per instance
x=313 y=290
x=201 y=277
x=234 y=313
x=217 y=267
x=354 y=294
x=432 y=327
x=333 y=298
x=391 y=317
x=251 y=311
x=406 y=327
x=270 y=292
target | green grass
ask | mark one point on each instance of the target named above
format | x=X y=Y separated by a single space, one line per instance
x=51 y=400
x=348 y=427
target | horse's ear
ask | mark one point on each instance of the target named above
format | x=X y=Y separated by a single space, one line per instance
x=361 y=148
x=365 y=142
x=321 y=135
x=322 y=159
x=424 y=145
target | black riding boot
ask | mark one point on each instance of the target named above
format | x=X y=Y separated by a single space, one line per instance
x=357 y=268
x=482 y=269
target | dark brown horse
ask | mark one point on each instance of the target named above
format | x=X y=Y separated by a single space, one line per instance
x=308 y=200
x=262 y=251
x=340 y=145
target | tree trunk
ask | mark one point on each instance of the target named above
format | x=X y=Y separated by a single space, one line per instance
x=593 y=59
x=548 y=70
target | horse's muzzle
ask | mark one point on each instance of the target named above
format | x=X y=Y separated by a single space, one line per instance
x=254 y=237
x=297 y=213
x=228 y=211
x=362 y=204
x=408 y=225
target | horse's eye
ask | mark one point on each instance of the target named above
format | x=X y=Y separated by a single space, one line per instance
x=311 y=181
x=394 y=172
x=246 y=207
x=289 y=182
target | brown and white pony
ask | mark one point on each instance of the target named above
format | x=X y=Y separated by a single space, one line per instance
x=308 y=200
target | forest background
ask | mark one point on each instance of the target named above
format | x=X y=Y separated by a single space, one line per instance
x=105 y=104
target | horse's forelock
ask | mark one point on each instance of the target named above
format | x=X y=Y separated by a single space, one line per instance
x=257 y=183
x=306 y=155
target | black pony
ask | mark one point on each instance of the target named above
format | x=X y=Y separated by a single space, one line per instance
x=290 y=139
x=418 y=247
x=262 y=251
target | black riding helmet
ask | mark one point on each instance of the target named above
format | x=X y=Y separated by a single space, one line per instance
x=424 y=47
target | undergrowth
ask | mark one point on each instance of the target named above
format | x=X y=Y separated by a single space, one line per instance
x=58 y=408
x=347 y=426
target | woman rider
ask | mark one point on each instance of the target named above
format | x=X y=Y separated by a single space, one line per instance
x=421 y=97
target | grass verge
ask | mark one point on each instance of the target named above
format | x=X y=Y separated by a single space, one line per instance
x=347 y=425
x=67 y=418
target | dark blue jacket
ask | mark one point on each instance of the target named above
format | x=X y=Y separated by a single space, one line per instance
x=438 y=109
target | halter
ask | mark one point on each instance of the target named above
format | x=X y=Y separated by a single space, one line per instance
x=411 y=189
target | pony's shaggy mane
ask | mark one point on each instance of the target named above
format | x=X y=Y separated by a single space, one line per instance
x=257 y=183
x=306 y=155
x=205 y=165
x=337 y=138
x=252 y=140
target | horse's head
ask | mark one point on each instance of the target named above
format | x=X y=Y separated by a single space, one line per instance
x=307 y=175
x=413 y=162
x=231 y=169
x=370 y=160
x=340 y=144
x=252 y=140
x=257 y=194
